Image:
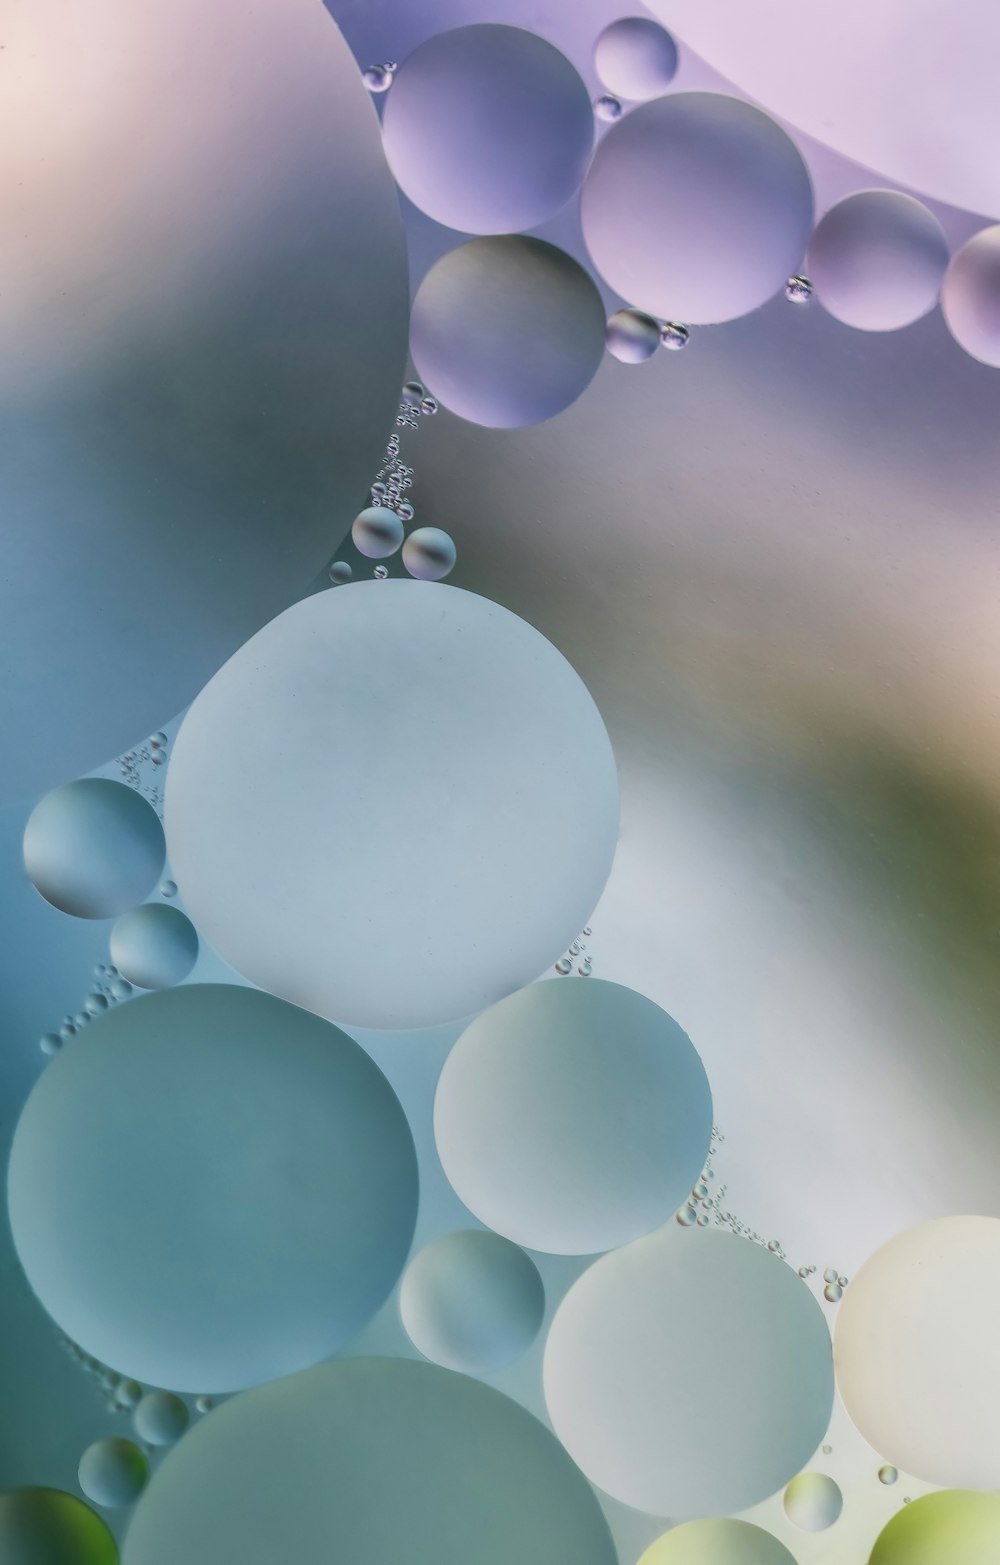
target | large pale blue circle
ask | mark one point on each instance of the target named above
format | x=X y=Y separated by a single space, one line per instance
x=573 y=1116
x=211 y=1188
x=204 y=324
x=472 y=1301
x=697 y=207
x=372 y=1462
x=507 y=331
x=473 y=777
x=94 y=848
x=689 y=1374
x=488 y=129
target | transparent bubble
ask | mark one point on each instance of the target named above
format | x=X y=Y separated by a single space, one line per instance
x=700 y=1190
x=798 y=290
x=888 y=1475
x=833 y=1293
x=564 y=966
x=378 y=490
x=813 y=1502
x=160 y=1418
x=377 y=532
x=168 y=888
x=204 y=1404
x=113 y=1472
x=413 y=394
x=632 y=337
x=404 y=511
x=842 y=1281
x=607 y=107
x=93 y=848
x=636 y=58
x=380 y=572
x=154 y=946
x=50 y=1043
x=128 y=1394
x=674 y=336
x=429 y=554
x=828 y=1450
x=831 y=1274
x=428 y=406
x=340 y=572
x=377 y=78
x=687 y=1217
x=67 y=1031
x=472 y=1301
x=96 y=1003
x=158 y=741
x=774 y=1245
x=82 y=1019
x=703 y=1220
x=586 y=967
x=121 y=989
x=803 y=1271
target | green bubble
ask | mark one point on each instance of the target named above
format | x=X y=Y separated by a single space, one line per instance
x=717 y=1542
x=953 y=1527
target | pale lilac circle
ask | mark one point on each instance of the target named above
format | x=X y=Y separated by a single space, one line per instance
x=488 y=129
x=636 y=58
x=970 y=296
x=877 y=259
x=697 y=208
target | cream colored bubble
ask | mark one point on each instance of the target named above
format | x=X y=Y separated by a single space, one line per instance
x=813 y=1502
x=917 y=1352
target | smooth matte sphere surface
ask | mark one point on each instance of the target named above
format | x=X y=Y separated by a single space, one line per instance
x=472 y=778
x=697 y=207
x=573 y=1116
x=918 y=1353
x=953 y=1527
x=154 y=946
x=48 y=1527
x=970 y=296
x=203 y=319
x=636 y=58
x=507 y=331
x=94 y=848
x=717 y=1542
x=258 y=1160
x=370 y=1461
x=488 y=129
x=113 y=1472
x=472 y=1301
x=687 y=1433
x=877 y=259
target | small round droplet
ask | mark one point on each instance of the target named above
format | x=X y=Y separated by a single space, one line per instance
x=674 y=336
x=608 y=107
x=700 y=1190
x=340 y=572
x=380 y=572
x=413 y=394
x=378 y=78
x=160 y=1418
x=428 y=406
x=377 y=532
x=588 y=930
x=128 y=1394
x=798 y=290
x=67 y=1031
x=203 y=1404
x=168 y=888
x=888 y=1475
x=831 y=1274
x=687 y=1217
x=631 y=336
x=121 y=989
x=96 y=1003
x=158 y=741
x=564 y=966
x=833 y=1293
x=827 y=1450
x=803 y=1271
x=429 y=554
x=405 y=511
x=842 y=1281
x=774 y=1245
x=703 y=1220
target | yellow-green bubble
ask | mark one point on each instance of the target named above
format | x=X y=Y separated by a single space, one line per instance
x=953 y=1527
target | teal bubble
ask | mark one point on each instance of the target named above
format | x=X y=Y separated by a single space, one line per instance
x=472 y=1301
x=94 y=848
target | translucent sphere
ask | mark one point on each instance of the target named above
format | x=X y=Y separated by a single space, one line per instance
x=674 y=336
x=154 y=946
x=697 y=206
x=201 y=357
x=717 y=1542
x=954 y=1527
x=636 y=58
x=488 y=129
x=50 y=1043
x=378 y=78
x=526 y=357
x=798 y=290
x=160 y=1418
x=429 y=554
x=632 y=336
x=370 y=1461
x=113 y=1472
x=377 y=532
x=923 y=1393
x=127 y=1393
x=681 y=1433
x=573 y=1117
x=813 y=1502
x=608 y=108
x=888 y=1475
x=970 y=296
x=260 y=1154
x=93 y=848
x=472 y=1301
x=340 y=572
x=399 y=682
x=48 y=1527
x=877 y=260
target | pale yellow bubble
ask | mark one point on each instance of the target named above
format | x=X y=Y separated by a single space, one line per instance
x=954 y=1527
x=714 y=1541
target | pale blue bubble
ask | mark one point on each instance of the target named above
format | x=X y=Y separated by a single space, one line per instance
x=113 y=1472
x=370 y=1461
x=153 y=946
x=488 y=129
x=573 y=1117
x=261 y=1156
x=507 y=331
x=377 y=532
x=472 y=1301
x=94 y=848
x=429 y=554
x=160 y=1418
